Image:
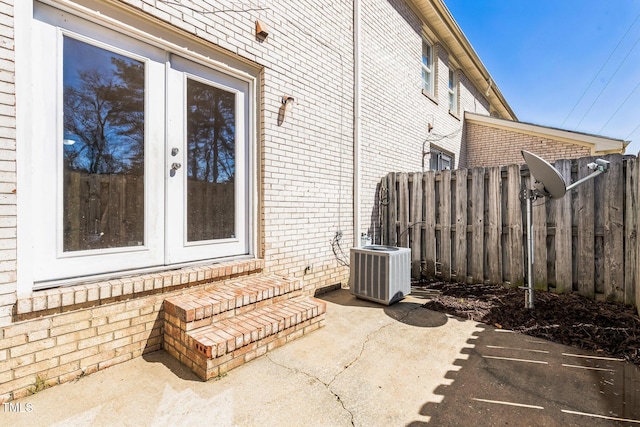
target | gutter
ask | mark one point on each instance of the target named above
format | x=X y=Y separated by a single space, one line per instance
x=356 y=123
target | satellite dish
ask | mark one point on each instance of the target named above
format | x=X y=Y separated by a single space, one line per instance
x=547 y=180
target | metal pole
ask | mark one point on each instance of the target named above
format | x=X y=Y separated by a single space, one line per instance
x=529 y=289
x=586 y=178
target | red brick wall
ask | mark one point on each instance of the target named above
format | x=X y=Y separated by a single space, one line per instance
x=489 y=146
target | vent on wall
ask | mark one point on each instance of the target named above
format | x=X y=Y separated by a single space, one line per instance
x=380 y=273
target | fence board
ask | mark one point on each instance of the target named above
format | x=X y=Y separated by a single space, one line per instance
x=514 y=265
x=631 y=232
x=415 y=219
x=383 y=211
x=494 y=228
x=461 y=256
x=429 y=247
x=540 y=254
x=563 y=233
x=613 y=231
x=392 y=211
x=445 y=224
x=477 y=225
x=585 y=251
x=403 y=209
x=636 y=216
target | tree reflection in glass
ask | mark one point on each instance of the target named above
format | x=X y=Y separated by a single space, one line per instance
x=210 y=162
x=103 y=148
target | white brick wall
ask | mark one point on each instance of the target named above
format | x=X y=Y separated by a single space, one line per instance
x=395 y=112
x=305 y=162
x=7 y=164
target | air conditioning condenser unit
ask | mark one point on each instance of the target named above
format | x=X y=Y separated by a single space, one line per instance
x=380 y=273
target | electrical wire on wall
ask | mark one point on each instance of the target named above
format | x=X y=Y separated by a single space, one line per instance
x=434 y=137
x=336 y=241
x=338 y=252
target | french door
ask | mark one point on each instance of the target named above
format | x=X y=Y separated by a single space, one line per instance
x=206 y=162
x=140 y=156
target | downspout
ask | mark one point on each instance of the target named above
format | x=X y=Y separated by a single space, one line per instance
x=356 y=124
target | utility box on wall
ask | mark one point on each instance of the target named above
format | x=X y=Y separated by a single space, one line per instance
x=380 y=273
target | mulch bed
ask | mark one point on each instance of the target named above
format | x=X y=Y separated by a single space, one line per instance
x=608 y=328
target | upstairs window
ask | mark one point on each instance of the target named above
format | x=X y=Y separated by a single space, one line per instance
x=427 y=68
x=453 y=91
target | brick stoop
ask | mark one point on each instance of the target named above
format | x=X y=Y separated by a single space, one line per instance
x=223 y=326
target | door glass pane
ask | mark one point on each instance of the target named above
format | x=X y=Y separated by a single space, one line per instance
x=103 y=190
x=211 y=137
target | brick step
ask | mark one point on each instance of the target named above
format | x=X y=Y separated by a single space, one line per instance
x=215 y=349
x=220 y=326
x=218 y=301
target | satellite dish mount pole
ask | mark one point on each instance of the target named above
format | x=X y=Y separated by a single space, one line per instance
x=531 y=195
x=546 y=181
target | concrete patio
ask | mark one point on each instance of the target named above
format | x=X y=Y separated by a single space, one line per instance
x=370 y=365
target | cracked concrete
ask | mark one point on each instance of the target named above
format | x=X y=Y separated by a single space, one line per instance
x=355 y=360
x=327 y=385
x=370 y=365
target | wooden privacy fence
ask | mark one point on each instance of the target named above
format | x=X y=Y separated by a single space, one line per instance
x=107 y=210
x=469 y=225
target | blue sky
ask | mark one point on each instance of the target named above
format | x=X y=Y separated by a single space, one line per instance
x=570 y=64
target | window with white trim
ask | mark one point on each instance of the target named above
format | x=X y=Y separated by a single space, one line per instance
x=141 y=155
x=427 y=68
x=453 y=91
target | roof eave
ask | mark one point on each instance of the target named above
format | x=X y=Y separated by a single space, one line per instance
x=440 y=21
x=600 y=145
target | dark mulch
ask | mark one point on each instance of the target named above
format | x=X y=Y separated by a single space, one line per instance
x=608 y=328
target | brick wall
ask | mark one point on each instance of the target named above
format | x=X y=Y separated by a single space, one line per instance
x=490 y=146
x=61 y=348
x=395 y=113
x=307 y=173
x=7 y=164
x=304 y=159
x=64 y=333
x=471 y=99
